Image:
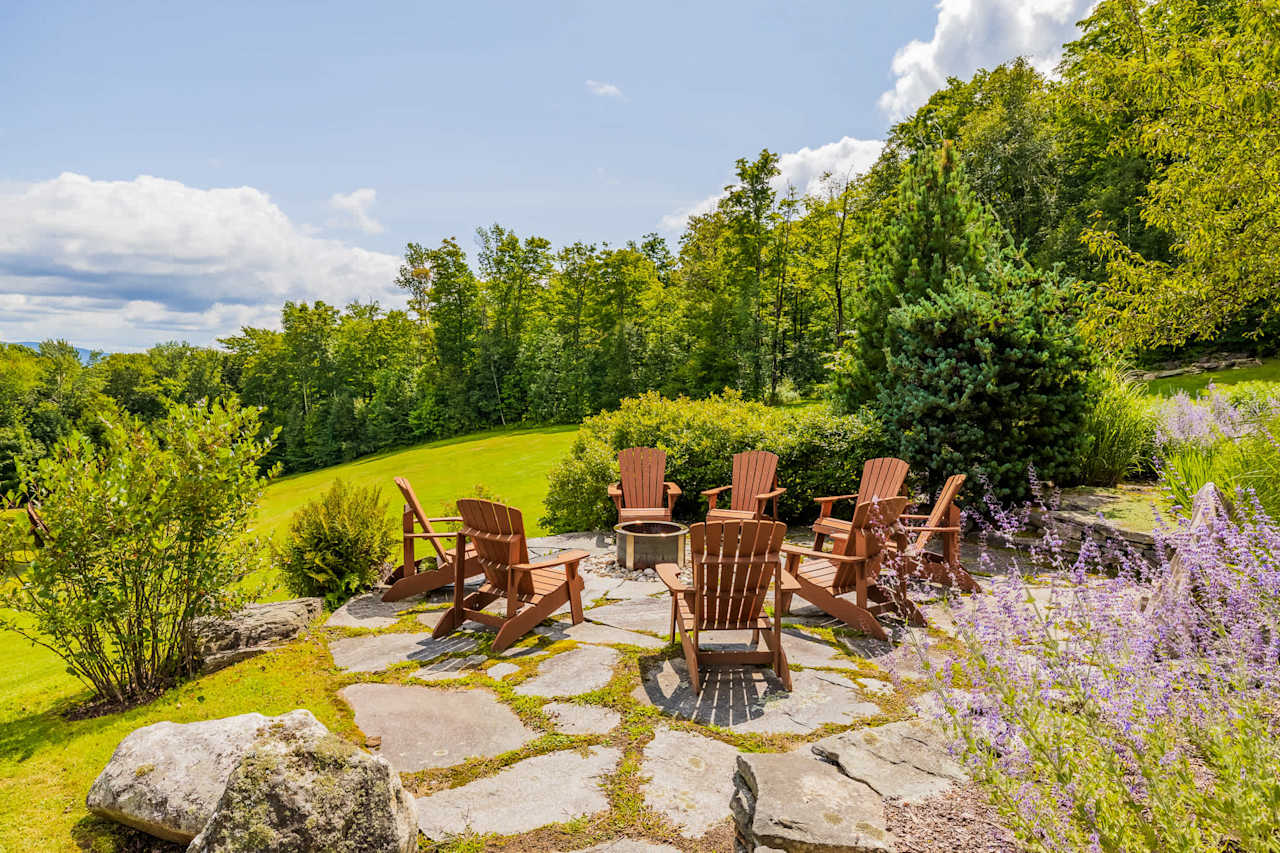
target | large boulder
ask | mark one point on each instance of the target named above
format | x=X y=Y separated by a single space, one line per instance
x=312 y=793
x=166 y=778
x=255 y=629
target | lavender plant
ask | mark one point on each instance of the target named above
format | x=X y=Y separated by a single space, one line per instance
x=1136 y=713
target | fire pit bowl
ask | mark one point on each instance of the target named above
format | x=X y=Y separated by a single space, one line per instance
x=644 y=544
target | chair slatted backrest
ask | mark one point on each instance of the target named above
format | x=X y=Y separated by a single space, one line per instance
x=754 y=473
x=942 y=508
x=733 y=564
x=642 y=471
x=882 y=478
x=415 y=507
x=871 y=520
x=497 y=531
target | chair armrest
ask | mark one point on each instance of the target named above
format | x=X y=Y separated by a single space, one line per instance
x=916 y=517
x=770 y=495
x=797 y=551
x=670 y=575
x=926 y=529
x=834 y=498
x=429 y=535
x=561 y=559
x=717 y=490
x=615 y=490
x=673 y=489
x=789 y=583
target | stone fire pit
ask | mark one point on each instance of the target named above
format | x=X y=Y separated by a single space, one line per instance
x=645 y=544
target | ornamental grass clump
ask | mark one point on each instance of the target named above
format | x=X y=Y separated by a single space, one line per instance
x=1136 y=713
x=144 y=535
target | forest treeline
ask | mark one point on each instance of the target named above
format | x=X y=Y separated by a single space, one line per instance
x=1144 y=179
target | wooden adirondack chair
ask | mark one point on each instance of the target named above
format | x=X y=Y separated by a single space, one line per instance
x=943 y=522
x=412 y=580
x=881 y=478
x=853 y=565
x=733 y=564
x=754 y=484
x=641 y=491
x=533 y=590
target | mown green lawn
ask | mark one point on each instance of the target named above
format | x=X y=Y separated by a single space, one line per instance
x=48 y=763
x=1196 y=382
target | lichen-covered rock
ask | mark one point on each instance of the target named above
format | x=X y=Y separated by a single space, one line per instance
x=254 y=630
x=316 y=793
x=166 y=778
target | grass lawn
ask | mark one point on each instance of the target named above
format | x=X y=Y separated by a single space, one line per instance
x=1193 y=383
x=47 y=763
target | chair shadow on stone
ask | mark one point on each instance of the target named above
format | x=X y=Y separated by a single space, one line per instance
x=731 y=696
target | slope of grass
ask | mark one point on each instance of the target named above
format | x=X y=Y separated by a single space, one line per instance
x=47 y=763
x=1193 y=383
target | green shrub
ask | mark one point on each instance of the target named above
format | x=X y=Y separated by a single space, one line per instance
x=820 y=453
x=147 y=534
x=1247 y=463
x=336 y=544
x=987 y=381
x=1119 y=430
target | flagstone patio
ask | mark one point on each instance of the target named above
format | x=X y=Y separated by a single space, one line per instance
x=556 y=743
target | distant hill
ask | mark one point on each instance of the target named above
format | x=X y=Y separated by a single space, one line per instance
x=81 y=351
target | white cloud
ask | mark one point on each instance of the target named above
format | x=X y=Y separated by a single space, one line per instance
x=123 y=264
x=355 y=205
x=803 y=169
x=606 y=90
x=973 y=34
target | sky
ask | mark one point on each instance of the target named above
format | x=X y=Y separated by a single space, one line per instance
x=173 y=171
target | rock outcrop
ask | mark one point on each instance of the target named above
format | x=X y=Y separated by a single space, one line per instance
x=293 y=795
x=255 y=629
x=165 y=779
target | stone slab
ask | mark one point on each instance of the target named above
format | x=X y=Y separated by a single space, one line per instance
x=625 y=589
x=500 y=671
x=446 y=668
x=638 y=614
x=690 y=779
x=791 y=801
x=423 y=727
x=572 y=673
x=752 y=699
x=376 y=652
x=573 y=719
x=370 y=611
x=905 y=762
x=604 y=635
x=592 y=541
x=551 y=788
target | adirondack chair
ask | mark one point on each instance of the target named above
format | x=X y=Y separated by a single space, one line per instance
x=881 y=478
x=733 y=564
x=853 y=565
x=413 y=580
x=533 y=590
x=943 y=522
x=640 y=491
x=754 y=484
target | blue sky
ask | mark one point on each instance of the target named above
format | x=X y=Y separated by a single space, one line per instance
x=176 y=170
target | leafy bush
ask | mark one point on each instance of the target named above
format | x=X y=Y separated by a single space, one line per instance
x=820 y=453
x=336 y=544
x=1119 y=430
x=146 y=536
x=1098 y=725
x=987 y=381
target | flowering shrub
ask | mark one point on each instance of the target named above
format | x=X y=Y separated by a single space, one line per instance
x=1099 y=725
x=1230 y=438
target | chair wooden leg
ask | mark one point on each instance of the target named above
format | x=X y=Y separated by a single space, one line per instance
x=673 y=618
x=449 y=622
x=847 y=612
x=417 y=584
x=576 y=585
x=785 y=605
x=691 y=660
x=899 y=603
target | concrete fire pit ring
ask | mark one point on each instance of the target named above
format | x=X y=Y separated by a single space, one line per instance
x=645 y=544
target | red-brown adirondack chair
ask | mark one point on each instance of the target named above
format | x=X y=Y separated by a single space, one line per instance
x=754 y=484
x=641 y=493
x=533 y=590
x=853 y=565
x=881 y=478
x=414 y=580
x=944 y=523
x=733 y=564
